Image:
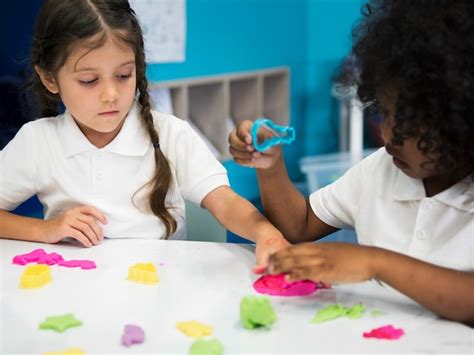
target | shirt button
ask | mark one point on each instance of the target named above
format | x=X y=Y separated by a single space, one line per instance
x=420 y=234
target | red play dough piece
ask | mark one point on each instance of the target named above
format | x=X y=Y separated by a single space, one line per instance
x=385 y=332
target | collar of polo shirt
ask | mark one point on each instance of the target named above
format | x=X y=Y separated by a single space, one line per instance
x=132 y=139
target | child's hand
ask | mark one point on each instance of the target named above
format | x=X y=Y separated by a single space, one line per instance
x=79 y=223
x=325 y=262
x=243 y=151
x=266 y=246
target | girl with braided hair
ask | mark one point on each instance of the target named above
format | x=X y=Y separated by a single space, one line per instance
x=109 y=166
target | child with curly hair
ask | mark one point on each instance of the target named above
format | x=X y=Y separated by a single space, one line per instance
x=412 y=202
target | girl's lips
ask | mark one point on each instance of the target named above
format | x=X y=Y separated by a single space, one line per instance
x=108 y=113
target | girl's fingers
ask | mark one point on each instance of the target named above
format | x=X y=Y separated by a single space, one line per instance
x=93 y=224
x=86 y=230
x=91 y=210
x=80 y=237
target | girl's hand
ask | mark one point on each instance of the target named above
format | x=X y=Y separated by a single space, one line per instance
x=266 y=245
x=243 y=151
x=325 y=262
x=79 y=223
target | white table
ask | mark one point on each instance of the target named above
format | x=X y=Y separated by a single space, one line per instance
x=205 y=282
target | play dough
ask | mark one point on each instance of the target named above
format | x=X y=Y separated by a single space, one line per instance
x=35 y=276
x=60 y=323
x=256 y=312
x=385 y=332
x=132 y=334
x=206 y=347
x=194 y=328
x=276 y=285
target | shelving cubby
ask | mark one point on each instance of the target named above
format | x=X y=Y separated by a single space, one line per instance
x=214 y=104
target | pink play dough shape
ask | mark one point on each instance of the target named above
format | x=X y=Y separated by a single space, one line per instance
x=132 y=334
x=41 y=257
x=277 y=286
x=49 y=259
x=23 y=259
x=385 y=332
x=83 y=264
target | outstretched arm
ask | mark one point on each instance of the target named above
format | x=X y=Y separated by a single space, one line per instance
x=446 y=292
x=241 y=217
x=284 y=205
x=287 y=208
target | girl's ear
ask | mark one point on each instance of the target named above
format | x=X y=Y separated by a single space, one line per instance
x=48 y=80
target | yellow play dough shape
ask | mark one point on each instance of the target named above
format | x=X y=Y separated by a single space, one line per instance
x=194 y=328
x=73 y=351
x=144 y=273
x=35 y=276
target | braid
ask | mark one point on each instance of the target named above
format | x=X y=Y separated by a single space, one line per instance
x=162 y=178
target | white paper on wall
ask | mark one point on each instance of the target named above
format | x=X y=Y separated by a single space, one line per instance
x=163 y=23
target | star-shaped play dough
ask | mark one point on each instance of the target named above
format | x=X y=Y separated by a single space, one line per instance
x=194 y=328
x=60 y=323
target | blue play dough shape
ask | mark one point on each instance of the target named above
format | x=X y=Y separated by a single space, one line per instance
x=283 y=134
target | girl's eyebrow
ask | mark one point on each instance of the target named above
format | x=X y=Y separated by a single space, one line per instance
x=90 y=68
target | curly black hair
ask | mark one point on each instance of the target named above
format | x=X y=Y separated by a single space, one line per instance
x=424 y=48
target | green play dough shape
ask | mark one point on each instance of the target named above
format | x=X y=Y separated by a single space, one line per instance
x=256 y=311
x=206 y=347
x=60 y=323
x=356 y=311
x=330 y=312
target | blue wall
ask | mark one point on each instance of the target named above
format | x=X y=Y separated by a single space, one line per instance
x=241 y=35
x=330 y=24
x=309 y=36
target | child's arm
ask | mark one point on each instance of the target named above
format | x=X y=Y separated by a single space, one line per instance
x=79 y=223
x=241 y=217
x=284 y=205
x=446 y=292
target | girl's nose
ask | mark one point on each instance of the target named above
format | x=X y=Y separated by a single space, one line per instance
x=109 y=92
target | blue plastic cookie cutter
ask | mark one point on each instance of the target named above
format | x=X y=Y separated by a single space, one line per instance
x=283 y=134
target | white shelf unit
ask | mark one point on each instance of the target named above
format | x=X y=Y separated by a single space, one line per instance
x=216 y=103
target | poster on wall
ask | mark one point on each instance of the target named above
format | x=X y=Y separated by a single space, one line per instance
x=163 y=24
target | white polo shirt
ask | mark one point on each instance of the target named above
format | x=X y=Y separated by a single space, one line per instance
x=52 y=158
x=390 y=210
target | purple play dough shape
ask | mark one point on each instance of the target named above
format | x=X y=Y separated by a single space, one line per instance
x=132 y=334
x=276 y=285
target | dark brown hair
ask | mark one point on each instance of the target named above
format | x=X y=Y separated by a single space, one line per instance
x=426 y=49
x=63 y=24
